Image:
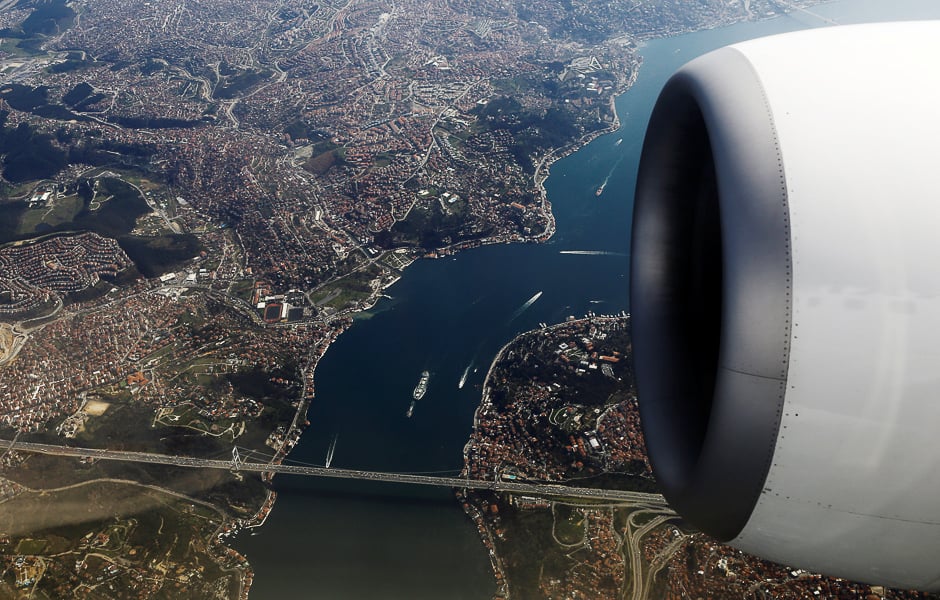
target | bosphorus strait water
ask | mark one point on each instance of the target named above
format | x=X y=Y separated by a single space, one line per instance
x=356 y=540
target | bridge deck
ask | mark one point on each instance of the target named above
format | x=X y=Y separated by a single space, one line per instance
x=538 y=489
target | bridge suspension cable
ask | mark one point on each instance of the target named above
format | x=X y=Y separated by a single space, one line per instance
x=543 y=489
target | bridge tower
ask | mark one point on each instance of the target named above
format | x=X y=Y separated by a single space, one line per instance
x=236 y=459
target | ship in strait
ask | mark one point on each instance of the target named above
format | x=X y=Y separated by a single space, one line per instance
x=422 y=386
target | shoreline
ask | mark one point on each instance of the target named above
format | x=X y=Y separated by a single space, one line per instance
x=541 y=175
x=291 y=438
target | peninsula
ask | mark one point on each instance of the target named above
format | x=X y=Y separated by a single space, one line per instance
x=559 y=405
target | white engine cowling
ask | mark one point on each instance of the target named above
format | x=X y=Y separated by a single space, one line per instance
x=785 y=292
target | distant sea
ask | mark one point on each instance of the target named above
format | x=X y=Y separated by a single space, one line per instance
x=351 y=540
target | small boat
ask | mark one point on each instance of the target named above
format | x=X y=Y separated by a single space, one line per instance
x=463 y=378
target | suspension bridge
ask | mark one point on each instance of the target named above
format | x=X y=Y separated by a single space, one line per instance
x=238 y=464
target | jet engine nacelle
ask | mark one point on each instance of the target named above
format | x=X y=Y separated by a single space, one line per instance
x=785 y=292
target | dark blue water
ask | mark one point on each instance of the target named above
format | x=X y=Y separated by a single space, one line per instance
x=346 y=540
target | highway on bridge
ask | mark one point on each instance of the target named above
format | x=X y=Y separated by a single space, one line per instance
x=518 y=487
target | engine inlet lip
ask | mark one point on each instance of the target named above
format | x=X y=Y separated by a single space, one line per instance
x=711 y=445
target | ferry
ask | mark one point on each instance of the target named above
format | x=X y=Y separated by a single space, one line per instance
x=463 y=378
x=422 y=386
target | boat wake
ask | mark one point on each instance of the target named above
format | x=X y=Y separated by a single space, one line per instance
x=524 y=307
x=332 y=449
x=603 y=186
x=591 y=252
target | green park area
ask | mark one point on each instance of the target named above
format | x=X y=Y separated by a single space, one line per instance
x=347 y=291
x=189 y=417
